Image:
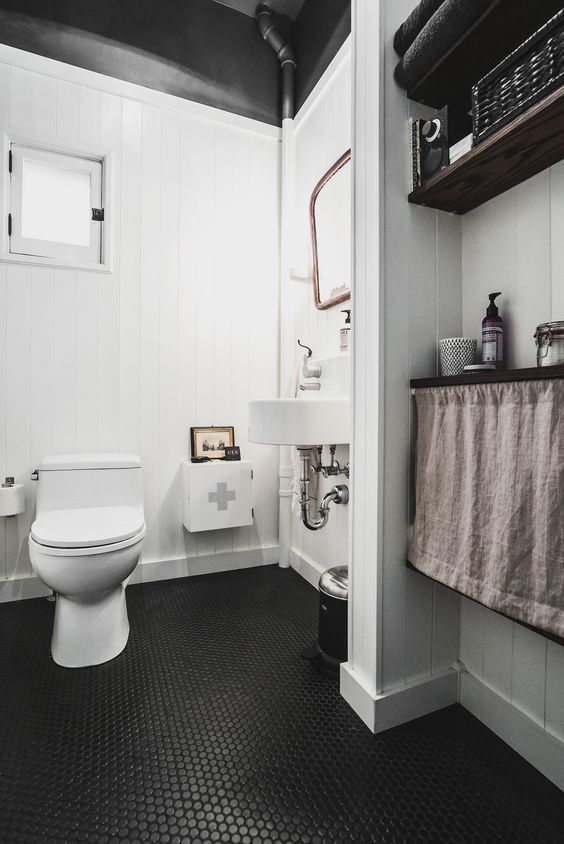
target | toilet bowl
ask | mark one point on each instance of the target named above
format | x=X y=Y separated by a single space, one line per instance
x=84 y=544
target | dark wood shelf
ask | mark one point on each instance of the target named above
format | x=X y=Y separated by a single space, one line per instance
x=502 y=27
x=534 y=373
x=530 y=143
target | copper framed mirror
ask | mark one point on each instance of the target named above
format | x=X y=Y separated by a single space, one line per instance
x=330 y=210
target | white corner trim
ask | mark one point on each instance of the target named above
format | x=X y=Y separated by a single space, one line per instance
x=401 y=704
x=336 y=65
x=357 y=695
x=520 y=732
x=309 y=569
x=129 y=90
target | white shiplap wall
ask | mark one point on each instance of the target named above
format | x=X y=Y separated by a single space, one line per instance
x=322 y=133
x=183 y=331
x=514 y=243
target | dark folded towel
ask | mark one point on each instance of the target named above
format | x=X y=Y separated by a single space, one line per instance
x=449 y=22
x=412 y=26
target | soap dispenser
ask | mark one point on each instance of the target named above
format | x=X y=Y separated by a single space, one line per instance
x=345 y=332
x=492 y=335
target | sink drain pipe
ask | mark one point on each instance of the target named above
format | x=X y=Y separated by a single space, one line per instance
x=338 y=495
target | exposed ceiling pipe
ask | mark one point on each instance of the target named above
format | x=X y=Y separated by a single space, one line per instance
x=273 y=36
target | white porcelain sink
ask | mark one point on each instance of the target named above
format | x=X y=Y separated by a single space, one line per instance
x=300 y=422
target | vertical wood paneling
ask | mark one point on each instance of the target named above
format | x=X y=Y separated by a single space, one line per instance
x=230 y=182
x=45 y=94
x=150 y=324
x=21 y=98
x=533 y=265
x=555 y=690
x=514 y=243
x=128 y=360
x=87 y=289
x=3 y=406
x=205 y=328
x=498 y=654
x=90 y=116
x=171 y=444
x=42 y=371
x=65 y=370
x=108 y=297
x=195 y=167
x=68 y=111
x=446 y=628
x=529 y=673
x=556 y=242
x=130 y=247
x=472 y=624
x=18 y=306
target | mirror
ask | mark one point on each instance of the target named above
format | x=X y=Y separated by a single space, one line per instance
x=330 y=211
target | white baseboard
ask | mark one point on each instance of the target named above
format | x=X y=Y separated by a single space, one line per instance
x=32 y=587
x=544 y=751
x=309 y=569
x=207 y=564
x=401 y=704
x=22 y=587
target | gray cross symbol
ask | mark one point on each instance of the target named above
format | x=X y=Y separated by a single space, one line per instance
x=222 y=496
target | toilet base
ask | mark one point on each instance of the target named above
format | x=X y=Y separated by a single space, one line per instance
x=89 y=630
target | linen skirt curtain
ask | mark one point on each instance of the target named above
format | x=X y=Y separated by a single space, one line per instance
x=489 y=510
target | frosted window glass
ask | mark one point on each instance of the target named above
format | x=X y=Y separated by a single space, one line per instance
x=55 y=204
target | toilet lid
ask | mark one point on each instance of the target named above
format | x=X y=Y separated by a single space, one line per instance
x=87 y=526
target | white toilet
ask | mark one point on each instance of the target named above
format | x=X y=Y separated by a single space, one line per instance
x=84 y=544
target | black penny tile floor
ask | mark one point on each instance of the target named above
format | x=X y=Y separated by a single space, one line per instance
x=209 y=727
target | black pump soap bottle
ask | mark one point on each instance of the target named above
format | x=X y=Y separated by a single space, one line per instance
x=493 y=350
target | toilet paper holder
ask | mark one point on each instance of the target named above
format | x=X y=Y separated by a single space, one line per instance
x=12 y=498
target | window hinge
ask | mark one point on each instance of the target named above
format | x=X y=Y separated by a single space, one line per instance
x=253 y=512
x=9 y=225
x=9 y=161
x=252 y=474
x=98 y=215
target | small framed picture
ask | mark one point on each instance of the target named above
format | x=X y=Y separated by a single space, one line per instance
x=211 y=442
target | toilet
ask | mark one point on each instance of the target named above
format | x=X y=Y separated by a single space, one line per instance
x=84 y=544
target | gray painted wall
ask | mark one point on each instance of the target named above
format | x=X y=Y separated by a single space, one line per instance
x=199 y=50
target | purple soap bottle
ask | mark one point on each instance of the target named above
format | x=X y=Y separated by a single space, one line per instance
x=493 y=350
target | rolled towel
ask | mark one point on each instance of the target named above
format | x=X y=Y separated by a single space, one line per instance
x=412 y=26
x=436 y=38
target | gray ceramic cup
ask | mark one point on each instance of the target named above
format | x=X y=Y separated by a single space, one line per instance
x=456 y=353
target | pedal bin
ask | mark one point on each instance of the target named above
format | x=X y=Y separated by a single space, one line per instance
x=332 y=634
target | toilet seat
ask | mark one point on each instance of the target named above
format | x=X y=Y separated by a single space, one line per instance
x=85 y=527
x=88 y=550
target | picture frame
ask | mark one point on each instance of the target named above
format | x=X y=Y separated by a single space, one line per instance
x=211 y=441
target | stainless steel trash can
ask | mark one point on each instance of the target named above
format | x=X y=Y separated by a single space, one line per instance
x=330 y=649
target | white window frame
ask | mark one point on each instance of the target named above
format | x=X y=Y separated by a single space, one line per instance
x=61 y=256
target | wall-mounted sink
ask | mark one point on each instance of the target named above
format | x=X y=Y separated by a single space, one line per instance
x=300 y=422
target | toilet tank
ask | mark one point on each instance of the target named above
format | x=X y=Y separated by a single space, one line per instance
x=69 y=481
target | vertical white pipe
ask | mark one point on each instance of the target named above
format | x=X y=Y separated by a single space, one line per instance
x=286 y=471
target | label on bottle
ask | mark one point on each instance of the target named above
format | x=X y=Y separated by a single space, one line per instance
x=492 y=345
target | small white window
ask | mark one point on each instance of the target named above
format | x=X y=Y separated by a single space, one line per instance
x=56 y=207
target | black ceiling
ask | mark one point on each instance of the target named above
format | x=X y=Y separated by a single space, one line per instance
x=203 y=50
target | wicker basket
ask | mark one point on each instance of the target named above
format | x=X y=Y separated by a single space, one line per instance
x=527 y=75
